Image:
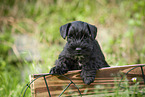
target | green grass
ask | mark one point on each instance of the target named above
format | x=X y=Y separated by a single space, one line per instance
x=120 y=33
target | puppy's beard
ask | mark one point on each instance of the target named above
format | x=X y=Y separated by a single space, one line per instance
x=79 y=57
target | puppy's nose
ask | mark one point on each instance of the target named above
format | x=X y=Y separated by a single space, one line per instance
x=78 y=49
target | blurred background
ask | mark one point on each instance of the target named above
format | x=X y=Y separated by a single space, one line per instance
x=30 y=41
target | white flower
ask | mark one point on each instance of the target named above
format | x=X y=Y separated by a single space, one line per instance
x=134 y=79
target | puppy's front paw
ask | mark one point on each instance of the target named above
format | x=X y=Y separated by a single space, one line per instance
x=88 y=80
x=55 y=70
x=88 y=76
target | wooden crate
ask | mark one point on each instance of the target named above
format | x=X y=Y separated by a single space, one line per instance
x=71 y=84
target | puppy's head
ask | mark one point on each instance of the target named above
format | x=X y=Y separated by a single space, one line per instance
x=80 y=36
x=77 y=27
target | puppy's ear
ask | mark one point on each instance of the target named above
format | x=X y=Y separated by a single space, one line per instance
x=92 y=31
x=64 y=30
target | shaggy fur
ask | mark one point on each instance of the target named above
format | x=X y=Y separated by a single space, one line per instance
x=81 y=52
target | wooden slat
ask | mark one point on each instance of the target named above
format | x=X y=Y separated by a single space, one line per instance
x=105 y=80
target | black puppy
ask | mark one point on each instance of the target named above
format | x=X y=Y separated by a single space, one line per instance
x=81 y=51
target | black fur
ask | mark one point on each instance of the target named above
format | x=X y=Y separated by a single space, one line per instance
x=81 y=51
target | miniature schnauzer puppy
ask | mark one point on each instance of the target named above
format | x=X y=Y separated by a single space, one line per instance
x=81 y=52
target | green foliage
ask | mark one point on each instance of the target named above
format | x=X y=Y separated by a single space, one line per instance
x=120 y=31
x=10 y=78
